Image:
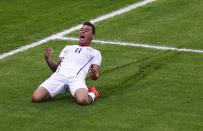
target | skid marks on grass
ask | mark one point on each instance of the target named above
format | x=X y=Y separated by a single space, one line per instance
x=137 y=71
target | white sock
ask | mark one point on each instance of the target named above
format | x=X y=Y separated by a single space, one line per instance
x=92 y=95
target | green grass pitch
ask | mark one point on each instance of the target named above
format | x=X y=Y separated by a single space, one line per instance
x=141 y=89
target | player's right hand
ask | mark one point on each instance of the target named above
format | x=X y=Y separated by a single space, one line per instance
x=47 y=53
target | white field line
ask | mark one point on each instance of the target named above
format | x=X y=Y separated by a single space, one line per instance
x=136 y=44
x=68 y=31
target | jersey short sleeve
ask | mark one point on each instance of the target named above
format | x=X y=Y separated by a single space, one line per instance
x=97 y=58
x=63 y=52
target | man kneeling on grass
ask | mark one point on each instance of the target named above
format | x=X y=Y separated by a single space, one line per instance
x=75 y=61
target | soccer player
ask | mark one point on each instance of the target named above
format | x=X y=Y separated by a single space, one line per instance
x=75 y=62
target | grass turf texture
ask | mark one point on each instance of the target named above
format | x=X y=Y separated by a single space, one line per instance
x=149 y=91
x=141 y=89
x=26 y=21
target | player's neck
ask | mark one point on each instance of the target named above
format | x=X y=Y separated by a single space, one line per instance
x=84 y=44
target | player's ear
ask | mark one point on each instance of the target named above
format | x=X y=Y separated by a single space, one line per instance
x=93 y=36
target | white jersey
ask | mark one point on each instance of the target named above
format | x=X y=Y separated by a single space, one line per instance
x=76 y=61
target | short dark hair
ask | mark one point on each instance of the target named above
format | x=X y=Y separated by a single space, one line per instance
x=90 y=24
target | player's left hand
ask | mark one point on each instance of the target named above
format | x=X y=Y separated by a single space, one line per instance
x=94 y=72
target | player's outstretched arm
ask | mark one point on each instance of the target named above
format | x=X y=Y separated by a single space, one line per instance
x=94 y=72
x=47 y=55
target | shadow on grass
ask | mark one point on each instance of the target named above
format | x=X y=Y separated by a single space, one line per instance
x=64 y=98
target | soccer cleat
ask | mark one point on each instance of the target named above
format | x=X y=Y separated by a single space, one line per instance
x=94 y=90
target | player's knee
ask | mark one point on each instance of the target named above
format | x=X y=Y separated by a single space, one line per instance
x=40 y=94
x=36 y=98
x=83 y=101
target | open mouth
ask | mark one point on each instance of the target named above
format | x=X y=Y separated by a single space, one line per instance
x=82 y=36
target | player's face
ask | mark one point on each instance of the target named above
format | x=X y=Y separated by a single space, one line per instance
x=86 y=35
